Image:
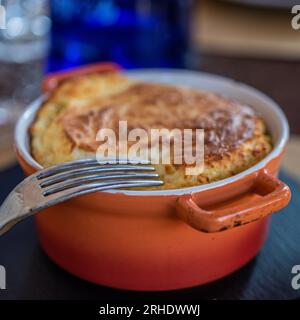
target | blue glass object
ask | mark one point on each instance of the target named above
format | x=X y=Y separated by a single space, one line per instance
x=133 y=33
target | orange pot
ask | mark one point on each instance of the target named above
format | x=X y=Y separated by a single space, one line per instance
x=167 y=239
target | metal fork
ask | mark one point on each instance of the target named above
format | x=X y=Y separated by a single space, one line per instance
x=62 y=182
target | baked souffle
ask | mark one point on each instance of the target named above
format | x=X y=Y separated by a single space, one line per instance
x=66 y=125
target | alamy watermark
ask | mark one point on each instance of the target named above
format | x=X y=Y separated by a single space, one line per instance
x=159 y=146
x=296 y=278
x=296 y=18
x=2 y=278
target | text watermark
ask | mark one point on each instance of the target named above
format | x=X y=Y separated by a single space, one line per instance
x=296 y=278
x=159 y=146
x=2 y=278
x=296 y=18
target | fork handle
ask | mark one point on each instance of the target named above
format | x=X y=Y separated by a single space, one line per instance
x=12 y=211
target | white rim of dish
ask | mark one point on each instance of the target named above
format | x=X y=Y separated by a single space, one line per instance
x=21 y=133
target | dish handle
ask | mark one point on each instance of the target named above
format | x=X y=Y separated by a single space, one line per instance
x=52 y=80
x=269 y=195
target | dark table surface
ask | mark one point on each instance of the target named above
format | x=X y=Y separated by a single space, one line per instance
x=31 y=275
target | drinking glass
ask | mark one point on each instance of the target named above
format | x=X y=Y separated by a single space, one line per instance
x=133 y=33
x=24 y=41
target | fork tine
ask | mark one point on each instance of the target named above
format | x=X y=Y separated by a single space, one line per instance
x=85 y=163
x=63 y=182
x=91 y=171
x=84 y=180
x=92 y=187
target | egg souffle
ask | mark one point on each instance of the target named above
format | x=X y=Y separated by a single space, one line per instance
x=66 y=125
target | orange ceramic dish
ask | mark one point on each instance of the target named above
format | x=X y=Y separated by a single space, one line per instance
x=165 y=239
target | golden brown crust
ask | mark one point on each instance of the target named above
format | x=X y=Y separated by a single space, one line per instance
x=66 y=125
